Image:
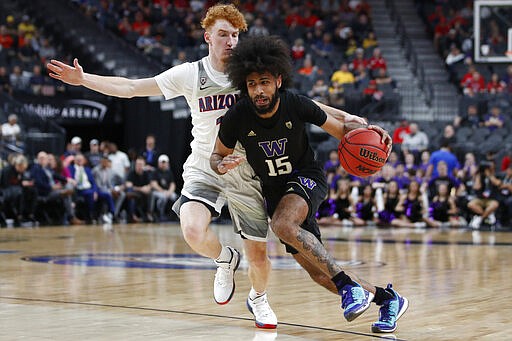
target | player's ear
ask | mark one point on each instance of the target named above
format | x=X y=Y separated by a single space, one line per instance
x=279 y=81
x=207 y=36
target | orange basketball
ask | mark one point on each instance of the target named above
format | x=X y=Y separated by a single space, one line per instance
x=362 y=153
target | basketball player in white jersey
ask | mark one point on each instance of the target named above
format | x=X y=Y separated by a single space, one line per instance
x=209 y=95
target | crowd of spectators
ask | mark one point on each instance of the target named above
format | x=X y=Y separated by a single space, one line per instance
x=424 y=184
x=24 y=51
x=322 y=37
x=98 y=185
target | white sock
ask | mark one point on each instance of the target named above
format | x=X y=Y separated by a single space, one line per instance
x=225 y=255
x=254 y=294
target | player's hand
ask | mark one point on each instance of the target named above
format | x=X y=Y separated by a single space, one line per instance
x=230 y=162
x=73 y=75
x=385 y=137
x=353 y=119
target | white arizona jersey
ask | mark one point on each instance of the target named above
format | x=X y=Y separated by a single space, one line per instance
x=209 y=95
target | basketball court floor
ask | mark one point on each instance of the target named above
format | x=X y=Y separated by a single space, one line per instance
x=142 y=282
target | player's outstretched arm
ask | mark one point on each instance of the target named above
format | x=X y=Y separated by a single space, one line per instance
x=222 y=159
x=352 y=122
x=107 y=85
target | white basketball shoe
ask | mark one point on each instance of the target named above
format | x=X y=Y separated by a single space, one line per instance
x=264 y=316
x=224 y=284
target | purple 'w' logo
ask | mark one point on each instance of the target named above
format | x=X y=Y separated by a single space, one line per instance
x=307 y=182
x=274 y=148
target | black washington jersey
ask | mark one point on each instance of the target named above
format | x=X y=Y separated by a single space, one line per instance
x=277 y=146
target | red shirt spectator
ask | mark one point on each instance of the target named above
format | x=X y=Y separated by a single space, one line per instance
x=402 y=130
x=6 y=40
x=473 y=80
x=495 y=85
x=377 y=61
x=298 y=49
x=294 y=16
x=140 y=24
x=309 y=19
x=359 y=60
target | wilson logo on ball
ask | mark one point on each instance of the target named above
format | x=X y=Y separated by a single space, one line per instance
x=373 y=156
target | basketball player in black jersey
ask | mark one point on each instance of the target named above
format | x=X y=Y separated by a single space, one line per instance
x=270 y=123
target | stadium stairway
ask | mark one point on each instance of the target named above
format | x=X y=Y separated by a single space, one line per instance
x=426 y=92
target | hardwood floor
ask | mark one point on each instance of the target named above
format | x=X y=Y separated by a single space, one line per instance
x=134 y=282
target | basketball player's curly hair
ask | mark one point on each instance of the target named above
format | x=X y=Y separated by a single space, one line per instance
x=259 y=54
x=226 y=12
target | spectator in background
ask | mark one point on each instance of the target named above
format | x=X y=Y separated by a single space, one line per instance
x=507 y=79
x=448 y=137
x=400 y=132
x=11 y=130
x=93 y=155
x=18 y=190
x=7 y=40
x=75 y=146
x=506 y=196
x=472 y=81
x=150 y=152
x=163 y=187
x=324 y=47
x=486 y=190
x=258 y=28
x=298 y=50
x=372 y=102
x=86 y=187
x=140 y=24
x=382 y=77
x=441 y=176
x=5 y=84
x=470 y=119
x=370 y=41
x=495 y=85
x=309 y=69
x=444 y=154
x=342 y=75
x=494 y=120
x=319 y=92
x=361 y=77
x=358 y=60
x=26 y=27
x=120 y=161
x=46 y=50
x=19 y=81
x=138 y=192
x=416 y=141
x=37 y=80
x=109 y=182
x=443 y=209
x=376 y=61
x=53 y=187
x=180 y=58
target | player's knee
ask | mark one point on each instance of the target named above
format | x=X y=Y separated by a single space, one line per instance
x=283 y=229
x=259 y=263
x=193 y=234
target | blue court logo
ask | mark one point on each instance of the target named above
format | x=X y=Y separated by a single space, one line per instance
x=166 y=261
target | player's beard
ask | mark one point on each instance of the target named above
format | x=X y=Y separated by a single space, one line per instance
x=262 y=110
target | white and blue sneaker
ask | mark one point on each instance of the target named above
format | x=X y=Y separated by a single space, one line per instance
x=355 y=300
x=390 y=311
